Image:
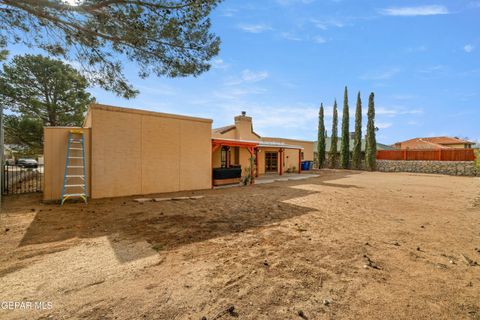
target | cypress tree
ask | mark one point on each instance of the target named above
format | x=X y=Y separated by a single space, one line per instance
x=321 y=138
x=371 y=143
x=357 y=144
x=345 y=146
x=334 y=138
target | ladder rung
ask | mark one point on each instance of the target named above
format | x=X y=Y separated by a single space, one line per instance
x=74 y=185
x=76 y=149
x=75 y=175
x=75 y=157
x=74 y=195
x=75 y=167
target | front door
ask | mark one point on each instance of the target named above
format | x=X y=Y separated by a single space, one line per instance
x=271 y=161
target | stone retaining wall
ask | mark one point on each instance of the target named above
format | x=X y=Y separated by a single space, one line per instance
x=454 y=168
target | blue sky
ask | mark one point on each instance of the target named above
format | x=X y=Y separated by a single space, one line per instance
x=280 y=58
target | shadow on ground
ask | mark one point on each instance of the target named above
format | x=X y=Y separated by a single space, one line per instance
x=170 y=224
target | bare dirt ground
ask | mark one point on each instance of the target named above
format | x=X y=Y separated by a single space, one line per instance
x=345 y=245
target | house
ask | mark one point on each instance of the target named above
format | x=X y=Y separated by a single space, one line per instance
x=238 y=144
x=434 y=143
x=134 y=152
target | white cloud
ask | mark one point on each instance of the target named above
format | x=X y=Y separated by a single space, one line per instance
x=237 y=93
x=396 y=111
x=319 y=39
x=421 y=48
x=383 y=75
x=415 y=11
x=219 y=64
x=289 y=2
x=383 y=125
x=290 y=36
x=469 y=48
x=247 y=76
x=252 y=76
x=325 y=24
x=255 y=28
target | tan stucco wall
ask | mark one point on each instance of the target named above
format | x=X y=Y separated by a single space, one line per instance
x=139 y=152
x=307 y=145
x=290 y=159
x=55 y=155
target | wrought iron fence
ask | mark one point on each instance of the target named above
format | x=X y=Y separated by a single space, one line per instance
x=22 y=178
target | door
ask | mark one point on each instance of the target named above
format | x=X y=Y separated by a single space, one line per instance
x=271 y=161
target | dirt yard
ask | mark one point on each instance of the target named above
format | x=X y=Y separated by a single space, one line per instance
x=345 y=245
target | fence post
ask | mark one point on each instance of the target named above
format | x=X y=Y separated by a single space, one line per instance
x=439 y=154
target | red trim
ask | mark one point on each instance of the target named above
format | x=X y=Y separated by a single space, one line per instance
x=233 y=143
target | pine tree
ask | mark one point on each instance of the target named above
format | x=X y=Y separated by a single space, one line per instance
x=371 y=143
x=345 y=145
x=321 y=138
x=333 y=155
x=357 y=145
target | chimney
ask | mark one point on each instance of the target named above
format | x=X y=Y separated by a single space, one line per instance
x=244 y=126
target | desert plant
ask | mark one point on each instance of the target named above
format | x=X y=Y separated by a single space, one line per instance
x=334 y=139
x=345 y=145
x=357 y=144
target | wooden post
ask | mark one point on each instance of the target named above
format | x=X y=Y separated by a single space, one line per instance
x=405 y=154
x=280 y=161
x=256 y=162
x=251 y=151
x=439 y=154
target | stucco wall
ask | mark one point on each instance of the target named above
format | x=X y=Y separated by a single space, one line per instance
x=139 y=152
x=307 y=146
x=55 y=155
x=455 y=168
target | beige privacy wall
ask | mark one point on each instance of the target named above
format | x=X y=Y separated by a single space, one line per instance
x=55 y=155
x=140 y=152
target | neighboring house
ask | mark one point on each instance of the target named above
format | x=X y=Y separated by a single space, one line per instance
x=434 y=143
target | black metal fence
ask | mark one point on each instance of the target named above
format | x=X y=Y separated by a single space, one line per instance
x=19 y=179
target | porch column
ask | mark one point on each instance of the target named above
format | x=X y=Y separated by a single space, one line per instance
x=256 y=162
x=280 y=160
x=252 y=152
x=214 y=148
x=299 y=160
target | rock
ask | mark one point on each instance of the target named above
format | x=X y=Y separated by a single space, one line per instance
x=265 y=263
x=196 y=197
x=7 y=229
x=326 y=302
x=161 y=199
x=143 y=200
x=301 y=314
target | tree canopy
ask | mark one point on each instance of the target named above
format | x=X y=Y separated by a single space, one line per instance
x=321 y=138
x=345 y=142
x=40 y=91
x=371 y=141
x=357 y=144
x=163 y=37
x=333 y=154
